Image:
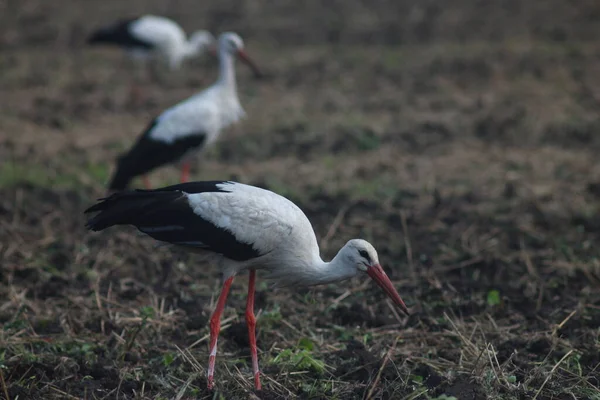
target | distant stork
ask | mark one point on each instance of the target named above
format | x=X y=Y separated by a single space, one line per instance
x=240 y=227
x=149 y=35
x=183 y=130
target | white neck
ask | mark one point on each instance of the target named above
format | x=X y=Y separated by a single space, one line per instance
x=184 y=50
x=314 y=271
x=226 y=70
x=334 y=271
x=179 y=53
x=190 y=49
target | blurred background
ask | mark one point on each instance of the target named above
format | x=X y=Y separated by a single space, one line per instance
x=461 y=138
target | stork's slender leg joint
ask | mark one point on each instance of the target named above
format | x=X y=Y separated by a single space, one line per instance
x=215 y=327
x=146 y=181
x=251 y=322
x=136 y=96
x=185 y=171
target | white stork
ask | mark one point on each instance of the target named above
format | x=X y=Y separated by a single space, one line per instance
x=153 y=36
x=240 y=227
x=190 y=126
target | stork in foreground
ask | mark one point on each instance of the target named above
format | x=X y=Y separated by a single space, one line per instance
x=240 y=227
x=190 y=126
x=153 y=36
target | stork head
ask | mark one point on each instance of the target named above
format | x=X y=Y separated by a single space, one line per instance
x=203 y=41
x=232 y=43
x=363 y=256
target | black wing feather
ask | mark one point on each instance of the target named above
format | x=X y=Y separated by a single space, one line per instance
x=148 y=154
x=119 y=34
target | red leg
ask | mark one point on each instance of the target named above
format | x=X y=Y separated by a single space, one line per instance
x=136 y=95
x=185 y=172
x=215 y=327
x=251 y=322
x=146 y=182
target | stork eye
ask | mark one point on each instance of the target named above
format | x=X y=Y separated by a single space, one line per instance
x=364 y=254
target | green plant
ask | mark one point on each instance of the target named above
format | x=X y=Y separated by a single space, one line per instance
x=300 y=358
x=493 y=298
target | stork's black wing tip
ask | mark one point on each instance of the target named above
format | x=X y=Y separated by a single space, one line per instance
x=97 y=206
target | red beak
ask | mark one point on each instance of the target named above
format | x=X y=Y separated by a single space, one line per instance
x=377 y=273
x=244 y=57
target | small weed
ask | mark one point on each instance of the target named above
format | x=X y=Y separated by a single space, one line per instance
x=168 y=359
x=271 y=317
x=493 y=298
x=300 y=358
x=146 y=313
x=306 y=344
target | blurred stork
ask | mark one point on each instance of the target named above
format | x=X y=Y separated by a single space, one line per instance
x=153 y=37
x=150 y=35
x=240 y=227
x=190 y=126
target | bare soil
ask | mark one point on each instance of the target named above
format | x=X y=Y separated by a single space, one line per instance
x=461 y=140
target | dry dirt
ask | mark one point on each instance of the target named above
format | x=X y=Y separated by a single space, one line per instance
x=460 y=139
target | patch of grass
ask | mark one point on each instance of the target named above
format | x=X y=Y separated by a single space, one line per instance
x=382 y=187
x=13 y=174
x=100 y=172
x=270 y=318
x=301 y=358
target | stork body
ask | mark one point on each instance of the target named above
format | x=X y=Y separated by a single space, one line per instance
x=239 y=227
x=185 y=129
x=152 y=36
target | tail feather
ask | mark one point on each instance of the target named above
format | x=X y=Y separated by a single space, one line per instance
x=122 y=176
x=130 y=165
x=127 y=208
x=108 y=35
x=143 y=157
x=96 y=37
x=117 y=34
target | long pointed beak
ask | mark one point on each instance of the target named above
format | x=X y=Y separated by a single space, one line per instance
x=244 y=57
x=377 y=273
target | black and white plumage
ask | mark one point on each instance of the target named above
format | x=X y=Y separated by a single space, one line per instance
x=240 y=227
x=167 y=215
x=183 y=130
x=150 y=36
